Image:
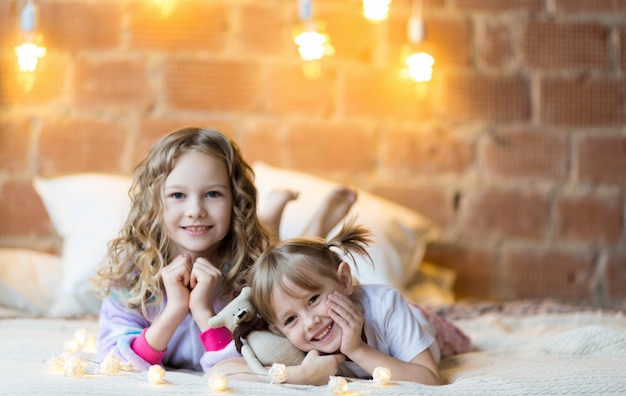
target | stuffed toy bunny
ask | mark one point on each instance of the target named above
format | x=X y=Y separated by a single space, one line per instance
x=261 y=344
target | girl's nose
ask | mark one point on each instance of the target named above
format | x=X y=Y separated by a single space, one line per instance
x=195 y=209
x=312 y=321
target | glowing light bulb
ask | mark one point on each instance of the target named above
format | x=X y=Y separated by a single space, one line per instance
x=166 y=6
x=277 y=373
x=420 y=67
x=337 y=385
x=28 y=55
x=382 y=375
x=313 y=45
x=376 y=10
x=156 y=374
x=218 y=381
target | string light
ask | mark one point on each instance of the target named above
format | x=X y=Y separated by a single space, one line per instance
x=156 y=374
x=376 y=10
x=29 y=52
x=382 y=375
x=418 y=64
x=277 y=373
x=337 y=385
x=218 y=381
x=313 y=43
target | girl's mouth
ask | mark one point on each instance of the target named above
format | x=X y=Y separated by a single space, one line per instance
x=324 y=333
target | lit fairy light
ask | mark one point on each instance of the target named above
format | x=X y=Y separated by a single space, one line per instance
x=156 y=374
x=337 y=385
x=420 y=66
x=277 y=373
x=313 y=44
x=417 y=63
x=382 y=375
x=29 y=52
x=218 y=381
x=376 y=10
x=110 y=365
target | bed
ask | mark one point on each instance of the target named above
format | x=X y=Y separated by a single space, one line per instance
x=521 y=347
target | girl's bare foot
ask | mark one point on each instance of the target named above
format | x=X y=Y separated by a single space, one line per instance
x=273 y=208
x=334 y=208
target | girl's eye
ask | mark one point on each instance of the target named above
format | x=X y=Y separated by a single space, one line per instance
x=213 y=194
x=289 y=320
x=313 y=299
x=177 y=195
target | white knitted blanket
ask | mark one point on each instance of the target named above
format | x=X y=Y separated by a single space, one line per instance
x=567 y=353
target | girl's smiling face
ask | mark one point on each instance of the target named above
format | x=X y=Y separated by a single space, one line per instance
x=197 y=204
x=302 y=315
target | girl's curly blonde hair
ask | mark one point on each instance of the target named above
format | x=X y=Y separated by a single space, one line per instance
x=142 y=248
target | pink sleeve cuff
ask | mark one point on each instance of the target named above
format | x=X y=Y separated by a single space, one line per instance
x=216 y=339
x=141 y=347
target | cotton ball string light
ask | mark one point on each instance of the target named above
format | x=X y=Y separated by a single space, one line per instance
x=74 y=366
x=110 y=365
x=72 y=346
x=337 y=385
x=156 y=374
x=218 y=381
x=277 y=373
x=382 y=375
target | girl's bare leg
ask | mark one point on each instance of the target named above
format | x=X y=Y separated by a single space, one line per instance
x=272 y=210
x=333 y=209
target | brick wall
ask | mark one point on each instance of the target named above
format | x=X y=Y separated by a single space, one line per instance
x=516 y=148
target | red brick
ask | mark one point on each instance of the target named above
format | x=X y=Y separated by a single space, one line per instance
x=435 y=202
x=589 y=218
x=264 y=140
x=75 y=146
x=526 y=154
x=382 y=93
x=80 y=25
x=216 y=86
x=504 y=214
x=500 y=5
x=352 y=36
x=495 y=44
x=197 y=26
x=154 y=129
x=601 y=158
x=611 y=7
x=15 y=140
x=582 y=102
x=262 y=29
x=331 y=148
x=557 y=274
x=22 y=211
x=285 y=85
x=622 y=48
x=485 y=98
x=552 y=45
x=120 y=83
x=477 y=269
x=410 y=152
x=616 y=277
x=9 y=14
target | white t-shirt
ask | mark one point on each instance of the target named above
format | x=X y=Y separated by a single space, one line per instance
x=391 y=326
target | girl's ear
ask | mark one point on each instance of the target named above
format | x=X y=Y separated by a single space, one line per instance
x=344 y=272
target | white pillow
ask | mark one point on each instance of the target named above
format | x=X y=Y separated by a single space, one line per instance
x=29 y=280
x=87 y=210
x=399 y=234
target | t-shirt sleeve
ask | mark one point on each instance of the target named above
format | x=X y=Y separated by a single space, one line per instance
x=404 y=335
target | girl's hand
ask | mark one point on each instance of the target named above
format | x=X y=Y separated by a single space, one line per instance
x=350 y=318
x=315 y=369
x=176 y=277
x=204 y=281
